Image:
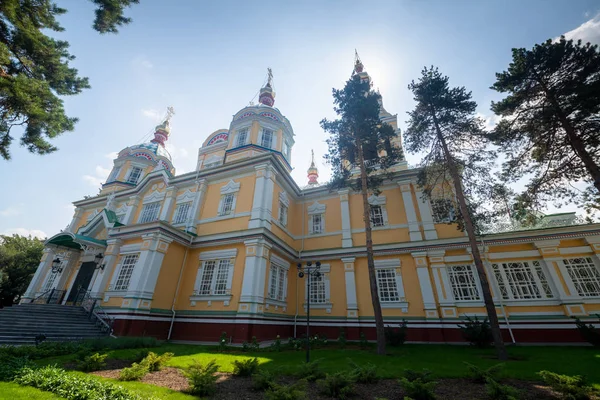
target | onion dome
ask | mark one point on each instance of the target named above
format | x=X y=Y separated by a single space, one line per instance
x=267 y=95
x=313 y=172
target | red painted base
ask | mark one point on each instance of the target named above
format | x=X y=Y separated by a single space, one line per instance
x=265 y=329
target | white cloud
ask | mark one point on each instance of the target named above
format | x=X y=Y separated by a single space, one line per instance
x=489 y=120
x=152 y=114
x=26 y=232
x=177 y=153
x=112 y=156
x=11 y=211
x=147 y=64
x=99 y=178
x=589 y=31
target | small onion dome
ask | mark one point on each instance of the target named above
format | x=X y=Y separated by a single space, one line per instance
x=162 y=132
x=313 y=172
x=267 y=95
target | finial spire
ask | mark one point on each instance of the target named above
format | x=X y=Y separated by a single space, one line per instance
x=358 y=65
x=267 y=96
x=313 y=172
x=163 y=130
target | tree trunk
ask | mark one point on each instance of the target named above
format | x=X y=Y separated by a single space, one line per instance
x=485 y=287
x=379 y=328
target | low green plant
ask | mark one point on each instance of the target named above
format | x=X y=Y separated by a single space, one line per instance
x=342 y=341
x=297 y=391
x=109 y=343
x=363 y=373
x=418 y=389
x=424 y=375
x=11 y=366
x=140 y=355
x=480 y=375
x=263 y=380
x=295 y=344
x=339 y=385
x=362 y=340
x=154 y=362
x=496 y=391
x=254 y=345
x=396 y=336
x=134 y=373
x=72 y=387
x=311 y=371
x=223 y=341
x=476 y=331
x=94 y=362
x=246 y=367
x=202 y=378
x=588 y=332
x=276 y=345
x=571 y=387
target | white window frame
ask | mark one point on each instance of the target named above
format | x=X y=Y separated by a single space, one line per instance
x=241 y=132
x=464 y=282
x=220 y=259
x=229 y=191
x=316 y=209
x=125 y=270
x=114 y=174
x=285 y=150
x=284 y=204
x=178 y=218
x=394 y=270
x=534 y=288
x=584 y=274
x=278 y=281
x=325 y=283
x=378 y=201
x=145 y=216
x=317 y=224
x=439 y=216
x=271 y=132
x=131 y=173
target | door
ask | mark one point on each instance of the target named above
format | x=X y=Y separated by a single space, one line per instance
x=82 y=281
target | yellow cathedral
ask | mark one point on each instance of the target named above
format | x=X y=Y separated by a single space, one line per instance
x=190 y=256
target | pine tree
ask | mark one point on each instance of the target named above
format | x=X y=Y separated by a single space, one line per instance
x=443 y=124
x=361 y=151
x=550 y=126
x=35 y=71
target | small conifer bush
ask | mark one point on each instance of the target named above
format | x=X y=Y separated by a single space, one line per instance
x=202 y=378
x=246 y=367
x=134 y=373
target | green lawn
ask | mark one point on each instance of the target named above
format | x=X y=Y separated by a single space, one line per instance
x=13 y=391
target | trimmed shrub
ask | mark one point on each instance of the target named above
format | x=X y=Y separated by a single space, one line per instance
x=311 y=371
x=246 y=367
x=342 y=341
x=339 y=385
x=395 y=336
x=423 y=375
x=202 y=378
x=476 y=332
x=418 y=389
x=571 y=387
x=140 y=355
x=154 y=362
x=363 y=373
x=133 y=373
x=94 y=362
x=276 y=345
x=263 y=380
x=479 y=375
x=588 y=332
x=362 y=340
x=497 y=391
x=72 y=387
x=287 y=392
x=11 y=367
x=108 y=343
x=223 y=341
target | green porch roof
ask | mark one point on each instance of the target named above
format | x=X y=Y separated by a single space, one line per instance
x=73 y=240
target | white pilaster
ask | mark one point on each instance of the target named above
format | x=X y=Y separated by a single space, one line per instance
x=196 y=206
x=440 y=278
x=425 y=284
x=255 y=269
x=351 y=299
x=133 y=203
x=411 y=214
x=346 y=228
x=426 y=217
x=110 y=261
x=549 y=251
x=40 y=273
x=168 y=204
x=262 y=202
x=69 y=264
x=75 y=221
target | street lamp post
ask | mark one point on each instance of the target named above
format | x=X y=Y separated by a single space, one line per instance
x=314 y=271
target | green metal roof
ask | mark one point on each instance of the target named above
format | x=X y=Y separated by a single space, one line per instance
x=72 y=240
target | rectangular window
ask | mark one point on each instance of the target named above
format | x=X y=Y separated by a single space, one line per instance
x=584 y=274
x=127 y=266
x=215 y=276
x=49 y=282
x=377 y=216
x=134 y=175
x=267 y=138
x=277 y=283
x=316 y=223
x=317 y=290
x=285 y=149
x=226 y=204
x=387 y=286
x=283 y=214
x=149 y=212
x=114 y=174
x=522 y=280
x=462 y=279
x=181 y=213
x=443 y=210
x=242 y=137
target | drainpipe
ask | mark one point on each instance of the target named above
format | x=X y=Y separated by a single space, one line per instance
x=299 y=256
x=485 y=259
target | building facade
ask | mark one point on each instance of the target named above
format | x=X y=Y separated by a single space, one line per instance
x=189 y=256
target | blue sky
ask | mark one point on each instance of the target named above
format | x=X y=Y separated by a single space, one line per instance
x=208 y=60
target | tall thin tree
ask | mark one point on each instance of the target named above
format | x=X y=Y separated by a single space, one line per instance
x=443 y=124
x=361 y=152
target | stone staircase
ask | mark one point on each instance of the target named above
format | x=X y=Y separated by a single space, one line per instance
x=20 y=324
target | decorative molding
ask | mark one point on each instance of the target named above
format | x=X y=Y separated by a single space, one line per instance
x=377 y=200
x=217 y=254
x=316 y=208
x=283 y=197
x=231 y=187
x=186 y=196
x=391 y=263
x=576 y=250
x=280 y=262
x=514 y=254
x=153 y=197
x=130 y=248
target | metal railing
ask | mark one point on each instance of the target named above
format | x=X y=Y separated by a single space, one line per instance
x=95 y=311
x=50 y=296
